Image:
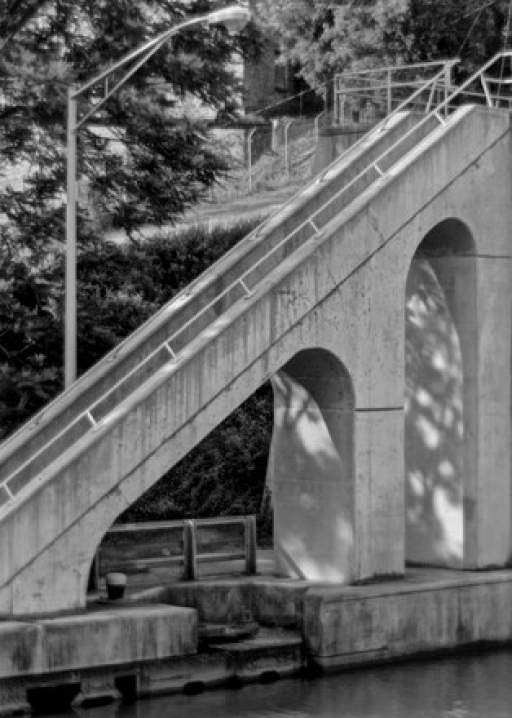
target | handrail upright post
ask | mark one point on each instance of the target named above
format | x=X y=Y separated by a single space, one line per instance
x=447 y=85
x=287 y=126
x=250 y=545
x=389 y=93
x=189 y=550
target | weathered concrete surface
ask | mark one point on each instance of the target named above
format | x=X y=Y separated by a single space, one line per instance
x=269 y=601
x=332 y=141
x=344 y=293
x=427 y=613
x=86 y=649
x=98 y=638
x=311 y=468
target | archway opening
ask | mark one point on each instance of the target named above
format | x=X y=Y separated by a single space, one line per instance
x=223 y=476
x=311 y=468
x=440 y=396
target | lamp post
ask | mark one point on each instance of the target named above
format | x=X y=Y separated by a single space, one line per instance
x=234 y=16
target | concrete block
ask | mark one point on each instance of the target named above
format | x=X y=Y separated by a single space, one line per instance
x=278 y=652
x=118 y=636
x=20 y=649
x=216 y=601
x=279 y=603
x=181 y=674
x=378 y=623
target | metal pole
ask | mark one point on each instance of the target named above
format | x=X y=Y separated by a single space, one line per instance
x=189 y=550
x=249 y=157
x=70 y=275
x=250 y=545
x=389 y=95
x=287 y=126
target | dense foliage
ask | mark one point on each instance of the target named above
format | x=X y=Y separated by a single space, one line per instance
x=144 y=163
x=324 y=37
x=144 y=160
x=120 y=286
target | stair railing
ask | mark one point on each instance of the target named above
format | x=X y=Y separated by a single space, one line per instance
x=242 y=287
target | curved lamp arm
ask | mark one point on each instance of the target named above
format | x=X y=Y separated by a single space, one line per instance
x=235 y=16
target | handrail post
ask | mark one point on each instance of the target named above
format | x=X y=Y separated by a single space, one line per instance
x=447 y=86
x=189 y=550
x=249 y=156
x=389 y=97
x=250 y=545
x=274 y=140
x=287 y=126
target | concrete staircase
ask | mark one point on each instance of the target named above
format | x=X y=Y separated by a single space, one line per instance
x=68 y=473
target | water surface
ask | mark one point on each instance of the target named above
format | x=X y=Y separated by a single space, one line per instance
x=475 y=686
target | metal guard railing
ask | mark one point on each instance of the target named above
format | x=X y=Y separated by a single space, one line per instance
x=243 y=285
x=190 y=557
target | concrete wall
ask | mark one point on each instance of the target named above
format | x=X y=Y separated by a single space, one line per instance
x=441 y=394
x=345 y=293
x=311 y=473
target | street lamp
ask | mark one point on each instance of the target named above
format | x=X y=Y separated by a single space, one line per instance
x=235 y=17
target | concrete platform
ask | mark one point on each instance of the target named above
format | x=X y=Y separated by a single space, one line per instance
x=85 y=650
x=141 y=650
x=430 y=611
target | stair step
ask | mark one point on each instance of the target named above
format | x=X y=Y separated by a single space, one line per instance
x=272 y=653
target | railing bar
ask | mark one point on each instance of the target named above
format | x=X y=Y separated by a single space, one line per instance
x=170 y=350
x=127 y=376
x=486 y=90
x=43 y=448
x=315 y=228
x=8 y=490
x=409 y=66
x=177 y=524
x=244 y=286
x=221 y=521
x=438 y=117
x=91 y=418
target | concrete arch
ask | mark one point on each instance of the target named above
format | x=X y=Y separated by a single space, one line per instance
x=441 y=351
x=311 y=467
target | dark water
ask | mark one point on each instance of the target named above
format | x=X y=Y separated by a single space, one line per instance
x=477 y=686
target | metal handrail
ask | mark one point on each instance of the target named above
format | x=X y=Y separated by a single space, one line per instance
x=446 y=64
x=242 y=281
x=387 y=84
x=189 y=557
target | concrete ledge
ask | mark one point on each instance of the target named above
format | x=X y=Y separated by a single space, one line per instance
x=270 y=601
x=105 y=637
x=430 y=613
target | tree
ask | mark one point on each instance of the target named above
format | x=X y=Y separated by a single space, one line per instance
x=326 y=36
x=145 y=163
x=435 y=29
x=158 y=164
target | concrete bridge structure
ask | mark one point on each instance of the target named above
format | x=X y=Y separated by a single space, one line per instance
x=378 y=302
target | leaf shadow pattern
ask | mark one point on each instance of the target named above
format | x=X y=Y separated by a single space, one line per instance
x=311 y=467
x=434 y=423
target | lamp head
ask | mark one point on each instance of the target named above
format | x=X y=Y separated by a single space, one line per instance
x=234 y=17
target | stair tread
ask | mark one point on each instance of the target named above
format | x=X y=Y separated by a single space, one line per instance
x=266 y=637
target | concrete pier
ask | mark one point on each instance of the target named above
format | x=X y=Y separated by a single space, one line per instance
x=151 y=647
